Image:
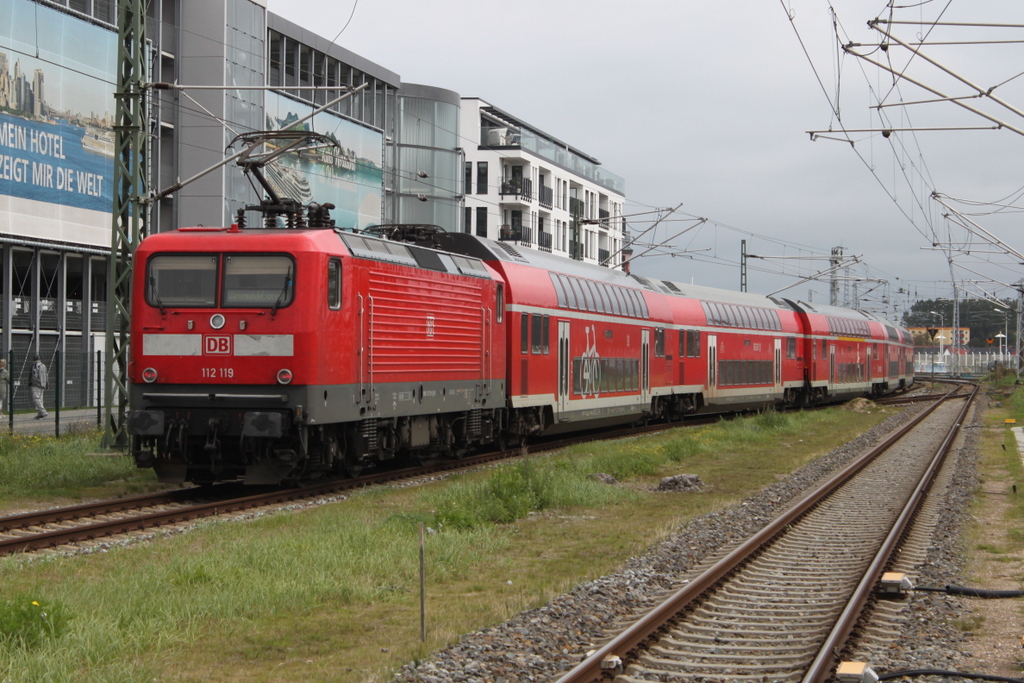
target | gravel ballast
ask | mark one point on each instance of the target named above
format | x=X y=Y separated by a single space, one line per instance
x=541 y=644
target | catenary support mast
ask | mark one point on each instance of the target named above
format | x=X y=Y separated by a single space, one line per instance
x=129 y=212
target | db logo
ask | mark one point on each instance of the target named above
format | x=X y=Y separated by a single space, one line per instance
x=216 y=345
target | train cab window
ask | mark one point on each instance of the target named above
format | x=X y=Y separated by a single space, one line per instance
x=258 y=281
x=499 y=305
x=682 y=343
x=182 y=281
x=524 y=333
x=334 y=284
x=546 y=334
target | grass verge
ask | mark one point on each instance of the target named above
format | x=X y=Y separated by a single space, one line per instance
x=45 y=468
x=332 y=593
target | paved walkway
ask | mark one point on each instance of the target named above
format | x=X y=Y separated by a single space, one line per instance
x=70 y=420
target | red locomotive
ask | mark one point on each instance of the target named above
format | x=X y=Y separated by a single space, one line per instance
x=273 y=354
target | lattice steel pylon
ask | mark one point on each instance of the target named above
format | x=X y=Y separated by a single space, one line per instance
x=129 y=222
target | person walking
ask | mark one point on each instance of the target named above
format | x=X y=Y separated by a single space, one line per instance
x=39 y=383
x=5 y=379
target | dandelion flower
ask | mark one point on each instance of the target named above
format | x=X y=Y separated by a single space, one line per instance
x=35 y=603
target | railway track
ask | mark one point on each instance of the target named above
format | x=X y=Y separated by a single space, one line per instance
x=781 y=606
x=104 y=520
x=91 y=522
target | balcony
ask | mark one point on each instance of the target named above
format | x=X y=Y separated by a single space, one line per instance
x=547 y=196
x=602 y=257
x=519 y=188
x=517 y=233
x=544 y=241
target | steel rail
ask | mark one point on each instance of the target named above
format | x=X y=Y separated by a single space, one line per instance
x=828 y=656
x=646 y=629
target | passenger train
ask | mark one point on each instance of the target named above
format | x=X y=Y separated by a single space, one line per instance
x=279 y=354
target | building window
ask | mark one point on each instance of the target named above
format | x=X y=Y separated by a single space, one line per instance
x=481 y=177
x=481 y=221
x=469 y=178
x=467 y=221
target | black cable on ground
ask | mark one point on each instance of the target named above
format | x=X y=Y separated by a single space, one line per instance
x=948 y=674
x=972 y=592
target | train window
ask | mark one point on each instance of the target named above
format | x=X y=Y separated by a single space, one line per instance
x=546 y=335
x=182 y=280
x=581 y=296
x=642 y=303
x=334 y=284
x=593 y=298
x=524 y=333
x=682 y=343
x=570 y=293
x=609 y=299
x=620 y=300
x=791 y=348
x=559 y=294
x=499 y=306
x=538 y=339
x=627 y=298
x=258 y=281
x=659 y=342
x=693 y=343
x=824 y=349
x=603 y=304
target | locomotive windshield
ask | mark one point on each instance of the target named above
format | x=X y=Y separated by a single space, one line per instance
x=257 y=281
x=249 y=281
x=182 y=280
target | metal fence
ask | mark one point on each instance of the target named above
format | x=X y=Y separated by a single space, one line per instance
x=974 y=363
x=73 y=395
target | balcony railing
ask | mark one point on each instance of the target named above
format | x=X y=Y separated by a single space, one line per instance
x=544 y=241
x=602 y=214
x=518 y=187
x=516 y=233
x=547 y=196
x=602 y=257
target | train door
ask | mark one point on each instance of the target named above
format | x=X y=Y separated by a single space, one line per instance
x=645 y=366
x=831 y=366
x=712 y=365
x=564 y=366
x=778 y=366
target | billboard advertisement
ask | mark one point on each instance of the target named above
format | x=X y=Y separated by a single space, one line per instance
x=57 y=79
x=348 y=174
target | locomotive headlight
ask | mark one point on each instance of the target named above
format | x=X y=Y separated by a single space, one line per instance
x=217 y=321
x=284 y=376
x=149 y=375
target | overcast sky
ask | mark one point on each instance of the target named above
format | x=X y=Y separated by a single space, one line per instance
x=709 y=105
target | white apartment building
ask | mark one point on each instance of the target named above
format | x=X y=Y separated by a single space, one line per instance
x=528 y=188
